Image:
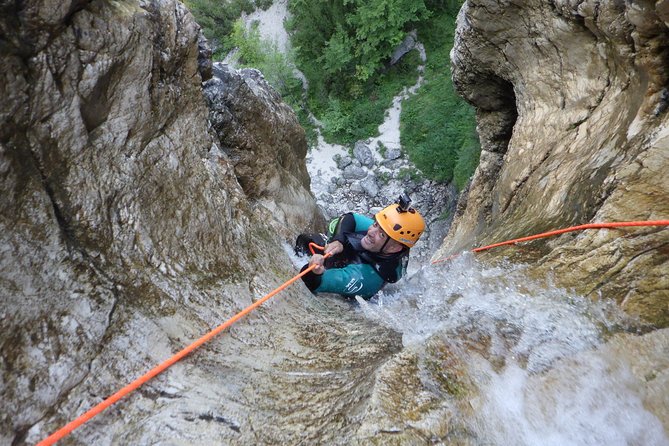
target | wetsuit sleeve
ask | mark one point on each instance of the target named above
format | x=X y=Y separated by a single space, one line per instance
x=310 y=279
x=346 y=224
x=357 y=279
x=349 y=223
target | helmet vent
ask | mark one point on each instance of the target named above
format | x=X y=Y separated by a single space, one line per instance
x=397 y=227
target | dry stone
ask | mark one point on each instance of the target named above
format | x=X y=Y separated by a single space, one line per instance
x=267 y=146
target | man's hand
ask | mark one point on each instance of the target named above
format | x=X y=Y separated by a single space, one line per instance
x=334 y=248
x=318 y=260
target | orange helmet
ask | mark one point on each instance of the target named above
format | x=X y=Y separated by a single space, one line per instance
x=402 y=223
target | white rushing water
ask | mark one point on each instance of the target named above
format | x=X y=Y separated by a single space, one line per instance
x=546 y=380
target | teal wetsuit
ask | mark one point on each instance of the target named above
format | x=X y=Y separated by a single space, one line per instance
x=355 y=271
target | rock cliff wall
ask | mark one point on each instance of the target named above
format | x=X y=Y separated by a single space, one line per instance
x=124 y=230
x=266 y=145
x=138 y=211
x=572 y=103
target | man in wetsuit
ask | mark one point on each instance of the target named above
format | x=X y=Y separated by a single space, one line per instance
x=365 y=253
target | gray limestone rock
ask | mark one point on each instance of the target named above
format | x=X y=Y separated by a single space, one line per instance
x=266 y=144
x=363 y=154
x=205 y=65
x=342 y=161
x=354 y=173
x=408 y=44
x=370 y=187
x=392 y=153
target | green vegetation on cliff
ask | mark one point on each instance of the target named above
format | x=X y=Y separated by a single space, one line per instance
x=217 y=18
x=438 y=128
x=343 y=48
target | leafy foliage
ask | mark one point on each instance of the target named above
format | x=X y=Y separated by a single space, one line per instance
x=348 y=119
x=342 y=47
x=217 y=18
x=342 y=44
x=438 y=128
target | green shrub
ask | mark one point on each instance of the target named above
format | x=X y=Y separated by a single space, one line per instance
x=383 y=178
x=217 y=17
x=409 y=173
x=342 y=47
x=347 y=119
x=254 y=52
x=438 y=128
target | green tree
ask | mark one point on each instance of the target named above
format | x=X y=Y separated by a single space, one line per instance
x=343 y=44
x=380 y=26
x=337 y=56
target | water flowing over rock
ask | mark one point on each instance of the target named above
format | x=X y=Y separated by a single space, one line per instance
x=571 y=102
x=141 y=209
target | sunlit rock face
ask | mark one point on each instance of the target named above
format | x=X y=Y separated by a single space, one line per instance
x=124 y=231
x=266 y=145
x=572 y=102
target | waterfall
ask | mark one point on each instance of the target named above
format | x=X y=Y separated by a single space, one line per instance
x=536 y=354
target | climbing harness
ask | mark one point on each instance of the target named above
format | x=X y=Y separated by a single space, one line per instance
x=620 y=224
x=79 y=421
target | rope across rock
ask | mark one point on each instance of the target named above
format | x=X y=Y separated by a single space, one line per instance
x=100 y=407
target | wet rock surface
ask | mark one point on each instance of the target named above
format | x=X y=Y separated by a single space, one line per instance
x=129 y=227
x=570 y=104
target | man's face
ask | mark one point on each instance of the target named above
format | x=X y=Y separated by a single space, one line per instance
x=375 y=238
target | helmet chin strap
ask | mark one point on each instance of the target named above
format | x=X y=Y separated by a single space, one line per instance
x=384 y=244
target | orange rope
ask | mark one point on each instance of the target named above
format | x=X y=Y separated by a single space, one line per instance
x=313 y=246
x=79 y=421
x=72 y=425
x=562 y=231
